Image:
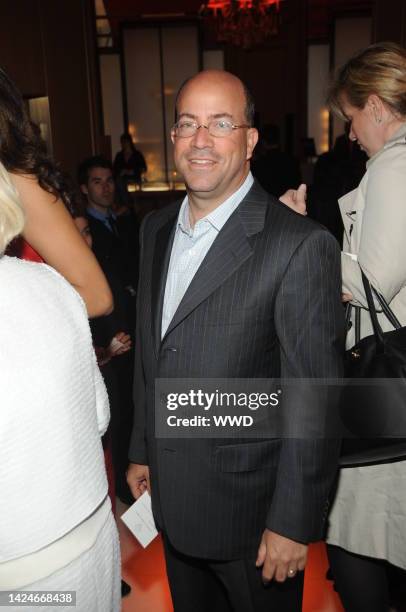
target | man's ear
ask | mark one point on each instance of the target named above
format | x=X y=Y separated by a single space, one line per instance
x=84 y=189
x=252 y=139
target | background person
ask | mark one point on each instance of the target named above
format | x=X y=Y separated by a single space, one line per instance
x=367 y=530
x=57 y=531
x=368 y=517
x=108 y=343
x=274 y=169
x=114 y=240
x=129 y=163
x=116 y=249
x=335 y=173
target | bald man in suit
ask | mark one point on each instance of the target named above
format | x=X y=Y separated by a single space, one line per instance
x=233 y=284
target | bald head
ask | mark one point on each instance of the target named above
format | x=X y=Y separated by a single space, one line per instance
x=212 y=161
x=220 y=78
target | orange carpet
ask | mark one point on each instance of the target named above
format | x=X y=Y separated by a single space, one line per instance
x=144 y=570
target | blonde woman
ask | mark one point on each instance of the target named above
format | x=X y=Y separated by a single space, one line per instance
x=57 y=531
x=368 y=518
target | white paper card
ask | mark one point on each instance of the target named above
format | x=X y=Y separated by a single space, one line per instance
x=140 y=521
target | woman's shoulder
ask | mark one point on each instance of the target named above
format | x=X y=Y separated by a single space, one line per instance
x=29 y=280
x=24 y=181
x=387 y=173
x=29 y=189
x=392 y=157
x=31 y=272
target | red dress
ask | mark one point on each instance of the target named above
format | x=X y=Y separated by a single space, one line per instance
x=21 y=249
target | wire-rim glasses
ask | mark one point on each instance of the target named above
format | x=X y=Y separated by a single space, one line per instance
x=219 y=128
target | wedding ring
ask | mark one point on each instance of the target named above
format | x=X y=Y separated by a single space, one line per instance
x=291 y=572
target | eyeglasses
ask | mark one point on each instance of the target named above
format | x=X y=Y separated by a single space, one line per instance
x=219 y=128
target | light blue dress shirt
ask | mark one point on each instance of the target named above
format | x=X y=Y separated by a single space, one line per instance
x=190 y=246
x=103 y=217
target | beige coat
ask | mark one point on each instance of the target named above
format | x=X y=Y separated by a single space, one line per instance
x=374 y=217
x=368 y=515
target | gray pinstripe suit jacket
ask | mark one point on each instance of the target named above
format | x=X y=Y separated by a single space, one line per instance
x=265 y=302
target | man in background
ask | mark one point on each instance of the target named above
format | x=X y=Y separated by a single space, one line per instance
x=116 y=250
x=275 y=170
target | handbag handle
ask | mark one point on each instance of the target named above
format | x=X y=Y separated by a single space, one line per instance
x=380 y=341
x=386 y=309
x=357 y=320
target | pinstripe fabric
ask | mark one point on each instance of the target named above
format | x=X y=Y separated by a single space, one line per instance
x=265 y=302
x=190 y=246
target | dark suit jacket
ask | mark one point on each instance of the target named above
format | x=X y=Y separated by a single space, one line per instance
x=117 y=251
x=118 y=256
x=276 y=171
x=266 y=301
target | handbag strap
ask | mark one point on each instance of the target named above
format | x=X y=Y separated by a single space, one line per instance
x=357 y=323
x=386 y=309
x=372 y=312
x=357 y=320
x=348 y=310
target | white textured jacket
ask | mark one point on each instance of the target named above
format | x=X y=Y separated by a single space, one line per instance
x=53 y=410
x=374 y=216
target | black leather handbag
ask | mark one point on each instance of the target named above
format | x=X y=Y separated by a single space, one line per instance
x=373 y=400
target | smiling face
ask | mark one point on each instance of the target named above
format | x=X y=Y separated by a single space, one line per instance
x=365 y=127
x=213 y=168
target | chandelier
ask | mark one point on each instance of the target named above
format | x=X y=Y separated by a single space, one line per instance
x=243 y=23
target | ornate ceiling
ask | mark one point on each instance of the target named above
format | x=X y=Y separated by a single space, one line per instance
x=319 y=14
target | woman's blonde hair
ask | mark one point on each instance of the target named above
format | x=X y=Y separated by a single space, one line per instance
x=379 y=69
x=11 y=212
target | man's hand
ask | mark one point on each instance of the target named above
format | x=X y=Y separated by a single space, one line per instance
x=138 y=479
x=121 y=343
x=280 y=557
x=346 y=297
x=296 y=199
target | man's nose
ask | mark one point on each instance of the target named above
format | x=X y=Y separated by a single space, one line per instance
x=202 y=138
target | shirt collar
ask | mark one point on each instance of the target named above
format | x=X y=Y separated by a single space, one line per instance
x=97 y=214
x=218 y=217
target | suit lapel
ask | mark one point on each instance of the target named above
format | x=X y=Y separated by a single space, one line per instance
x=162 y=255
x=347 y=204
x=351 y=207
x=228 y=252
